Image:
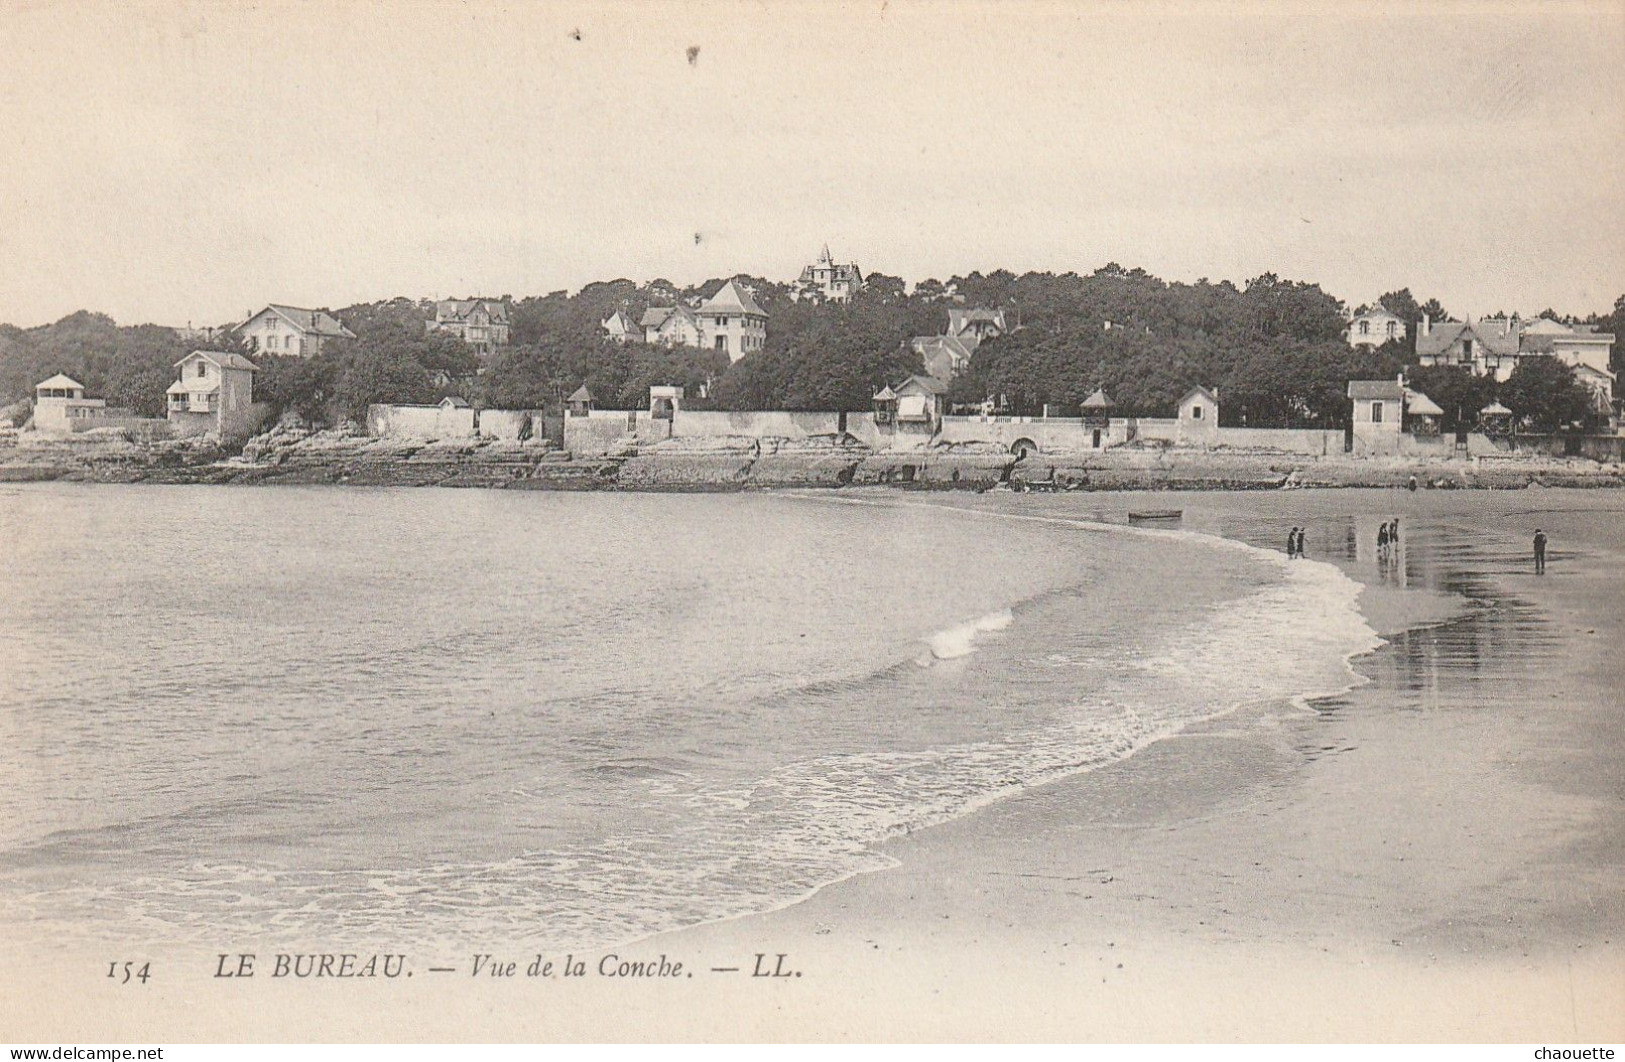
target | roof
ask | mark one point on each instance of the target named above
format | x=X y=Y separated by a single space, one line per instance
x=732 y=298
x=454 y=402
x=311 y=322
x=1379 y=310
x=1420 y=404
x=626 y=324
x=958 y=320
x=222 y=359
x=457 y=309
x=957 y=349
x=581 y=395
x=1545 y=342
x=1499 y=335
x=1495 y=409
x=1376 y=390
x=929 y=384
x=885 y=394
x=1199 y=390
x=1098 y=400
x=658 y=317
x=59 y=380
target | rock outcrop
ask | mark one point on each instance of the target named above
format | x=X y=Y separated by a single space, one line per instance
x=290 y=454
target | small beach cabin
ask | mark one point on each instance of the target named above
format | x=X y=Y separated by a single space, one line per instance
x=1495 y=420
x=885 y=406
x=1198 y=418
x=1422 y=414
x=60 y=406
x=580 y=403
x=1097 y=417
x=1377 y=416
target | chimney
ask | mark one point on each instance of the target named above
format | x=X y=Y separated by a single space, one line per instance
x=1427 y=324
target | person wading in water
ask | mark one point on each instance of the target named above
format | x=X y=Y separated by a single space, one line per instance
x=1540 y=552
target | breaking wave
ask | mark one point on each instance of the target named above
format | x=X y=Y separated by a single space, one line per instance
x=960 y=641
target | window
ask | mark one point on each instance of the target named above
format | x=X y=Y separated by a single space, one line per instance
x=722 y=342
x=202 y=370
x=1376 y=412
x=1393 y=329
x=1196 y=412
x=1365 y=327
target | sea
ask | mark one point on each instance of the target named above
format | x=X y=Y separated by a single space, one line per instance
x=334 y=717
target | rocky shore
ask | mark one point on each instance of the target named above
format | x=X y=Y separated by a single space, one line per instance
x=296 y=456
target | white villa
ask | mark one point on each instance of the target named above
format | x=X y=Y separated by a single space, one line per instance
x=829 y=281
x=292 y=331
x=1493 y=345
x=212 y=392
x=730 y=321
x=619 y=327
x=1374 y=327
x=60 y=405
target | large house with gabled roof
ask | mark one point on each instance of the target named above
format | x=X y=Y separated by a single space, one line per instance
x=292 y=331
x=733 y=322
x=730 y=321
x=1492 y=346
x=481 y=323
x=672 y=326
x=948 y=355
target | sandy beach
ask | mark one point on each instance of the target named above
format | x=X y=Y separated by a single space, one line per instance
x=1439 y=855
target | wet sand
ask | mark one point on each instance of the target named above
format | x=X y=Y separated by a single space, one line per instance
x=1437 y=855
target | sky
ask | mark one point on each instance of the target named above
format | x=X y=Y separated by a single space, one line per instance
x=179 y=162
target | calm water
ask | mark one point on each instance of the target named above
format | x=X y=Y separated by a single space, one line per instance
x=422 y=717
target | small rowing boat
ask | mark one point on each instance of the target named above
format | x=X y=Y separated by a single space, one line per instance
x=1156 y=515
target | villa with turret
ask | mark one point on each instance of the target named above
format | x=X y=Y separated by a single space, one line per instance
x=828 y=281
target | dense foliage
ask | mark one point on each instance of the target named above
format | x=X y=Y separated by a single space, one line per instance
x=1272 y=347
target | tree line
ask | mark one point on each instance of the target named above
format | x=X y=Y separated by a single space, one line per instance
x=1272 y=347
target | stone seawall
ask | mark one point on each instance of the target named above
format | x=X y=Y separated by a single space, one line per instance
x=298 y=457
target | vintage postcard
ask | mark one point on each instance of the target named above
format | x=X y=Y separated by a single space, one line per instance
x=903 y=520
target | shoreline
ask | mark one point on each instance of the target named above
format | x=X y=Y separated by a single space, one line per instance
x=1040 y=883
x=286 y=457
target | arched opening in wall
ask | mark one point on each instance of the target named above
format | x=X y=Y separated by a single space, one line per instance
x=1023 y=449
